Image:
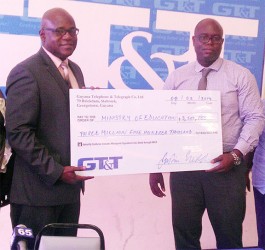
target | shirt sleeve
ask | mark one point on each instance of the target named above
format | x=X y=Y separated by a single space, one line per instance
x=250 y=112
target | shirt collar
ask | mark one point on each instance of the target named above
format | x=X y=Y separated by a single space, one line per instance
x=57 y=61
x=215 y=66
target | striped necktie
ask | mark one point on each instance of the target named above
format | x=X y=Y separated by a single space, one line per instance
x=63 y=68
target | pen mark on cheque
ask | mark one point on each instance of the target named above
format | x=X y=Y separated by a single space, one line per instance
x=172 y=159
x=168 y=160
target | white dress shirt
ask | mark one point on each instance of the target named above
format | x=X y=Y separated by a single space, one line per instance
x=241 y=106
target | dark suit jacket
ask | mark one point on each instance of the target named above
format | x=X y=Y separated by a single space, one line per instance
x=38 y=130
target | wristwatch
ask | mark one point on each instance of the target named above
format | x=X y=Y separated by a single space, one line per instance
x=237 y=159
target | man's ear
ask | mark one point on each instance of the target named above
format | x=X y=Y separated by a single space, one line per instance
x=193 y=40
x=42 y=35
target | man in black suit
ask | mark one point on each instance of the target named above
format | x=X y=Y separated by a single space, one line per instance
x=45 y=188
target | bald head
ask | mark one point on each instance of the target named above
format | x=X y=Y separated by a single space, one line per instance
x=208 y=22
x=53 y=15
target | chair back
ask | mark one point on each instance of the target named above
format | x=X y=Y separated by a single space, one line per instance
x=45 y=242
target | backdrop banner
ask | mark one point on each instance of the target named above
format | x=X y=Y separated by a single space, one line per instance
x=136 y=44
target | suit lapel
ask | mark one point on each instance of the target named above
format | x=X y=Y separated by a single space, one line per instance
x=78 y=75
x=52 y=69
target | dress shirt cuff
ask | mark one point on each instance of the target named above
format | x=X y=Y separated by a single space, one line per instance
x=243 y=148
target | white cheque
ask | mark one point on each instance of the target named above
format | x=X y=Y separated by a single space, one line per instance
x=144 y=131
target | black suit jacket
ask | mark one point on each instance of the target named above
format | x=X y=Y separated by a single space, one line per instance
x=38 y=130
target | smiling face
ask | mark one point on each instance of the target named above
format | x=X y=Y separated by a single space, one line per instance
x=208 y=51
x=59 y=45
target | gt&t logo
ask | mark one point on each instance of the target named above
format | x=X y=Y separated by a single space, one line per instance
x=103 y=163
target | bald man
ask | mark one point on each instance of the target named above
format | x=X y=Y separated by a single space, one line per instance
x=45 y=188
x=220 y=190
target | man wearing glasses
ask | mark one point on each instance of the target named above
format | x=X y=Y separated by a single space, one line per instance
x=45 y=188
x=220 y=190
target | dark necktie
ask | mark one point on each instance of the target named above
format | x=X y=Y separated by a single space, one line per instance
x=203 y=81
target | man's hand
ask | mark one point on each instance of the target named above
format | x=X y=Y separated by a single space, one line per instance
x=226 y=162
x=248 y=182
x=157 y=184
x=249 y=162
x=69 y=176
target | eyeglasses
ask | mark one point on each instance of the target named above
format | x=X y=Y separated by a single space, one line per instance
x=205 y=39
x=62 y=31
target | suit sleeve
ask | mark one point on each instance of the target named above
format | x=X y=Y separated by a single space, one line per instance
x=22 y=111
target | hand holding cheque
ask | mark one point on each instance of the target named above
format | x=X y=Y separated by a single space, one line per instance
x=69 y=176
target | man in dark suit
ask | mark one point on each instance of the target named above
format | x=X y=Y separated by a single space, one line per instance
x=45 y=188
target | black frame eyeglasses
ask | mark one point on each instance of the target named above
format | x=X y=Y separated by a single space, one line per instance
x=61 y=31
x=206 y=39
